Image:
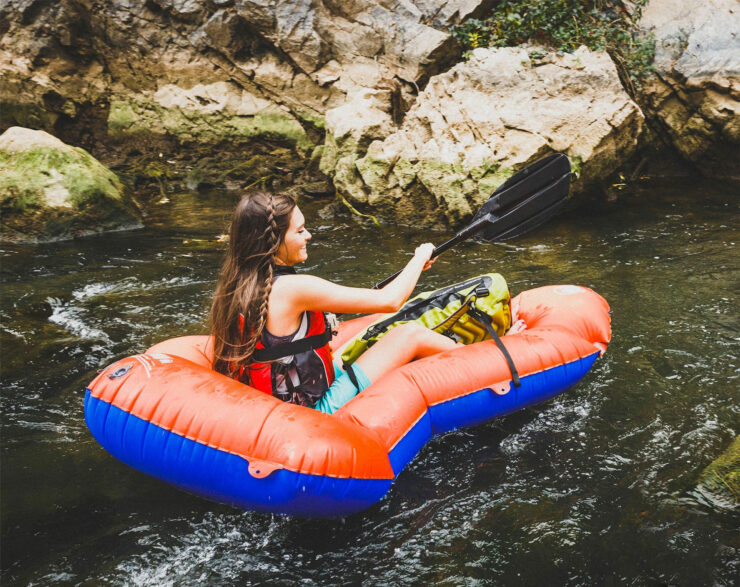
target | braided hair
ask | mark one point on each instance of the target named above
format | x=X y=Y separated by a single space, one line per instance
x=239 y=310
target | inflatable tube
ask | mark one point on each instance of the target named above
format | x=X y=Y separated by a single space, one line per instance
x=168 y=414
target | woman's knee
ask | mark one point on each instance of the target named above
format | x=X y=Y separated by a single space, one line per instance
x=411 y=332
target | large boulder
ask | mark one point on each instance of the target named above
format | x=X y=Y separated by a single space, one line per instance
x=52 y=191
x=695 y=94
x=473 y=126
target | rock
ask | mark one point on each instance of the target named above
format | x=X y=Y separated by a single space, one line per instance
x=444 y=14
x=52 y=191
x=204 y=113
x=695 y=94
x=473 y=126
x=720 y=481
x=317 y=188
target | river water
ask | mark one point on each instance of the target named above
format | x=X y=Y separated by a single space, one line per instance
x=598 y=486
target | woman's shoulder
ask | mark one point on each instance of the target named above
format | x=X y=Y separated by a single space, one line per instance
x=303 y=290
x=298 y=284
x=298 y=280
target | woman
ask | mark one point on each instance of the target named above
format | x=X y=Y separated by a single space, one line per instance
x=270 y=325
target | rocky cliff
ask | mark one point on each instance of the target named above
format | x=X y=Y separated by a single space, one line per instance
x=372 y=88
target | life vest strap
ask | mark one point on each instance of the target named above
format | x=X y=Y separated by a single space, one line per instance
x=293 y=347
x=485 y=319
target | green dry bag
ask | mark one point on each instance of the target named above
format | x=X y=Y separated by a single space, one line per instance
x=459 y=311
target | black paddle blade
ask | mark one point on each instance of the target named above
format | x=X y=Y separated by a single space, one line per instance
x=528 y=213
x=530 y=180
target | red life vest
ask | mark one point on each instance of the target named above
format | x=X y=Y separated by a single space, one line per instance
x=298 y=371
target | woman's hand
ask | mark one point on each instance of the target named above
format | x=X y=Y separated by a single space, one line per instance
x=424 y=251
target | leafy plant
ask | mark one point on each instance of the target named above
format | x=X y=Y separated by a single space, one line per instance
x=564 y=25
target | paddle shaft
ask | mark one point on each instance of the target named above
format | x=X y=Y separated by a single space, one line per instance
x=465 y=233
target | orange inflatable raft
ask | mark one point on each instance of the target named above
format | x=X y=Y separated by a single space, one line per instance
x=168 y=414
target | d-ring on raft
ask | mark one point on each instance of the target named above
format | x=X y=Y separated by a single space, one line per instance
x=167 y=413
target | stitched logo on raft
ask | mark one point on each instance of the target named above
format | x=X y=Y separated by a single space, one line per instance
x=120 y=372
x=568 y=290
x=148 y=361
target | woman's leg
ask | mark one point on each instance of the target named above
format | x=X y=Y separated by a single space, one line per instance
x=402 y=345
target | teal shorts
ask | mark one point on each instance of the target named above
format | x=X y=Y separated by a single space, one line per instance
x=342 y=389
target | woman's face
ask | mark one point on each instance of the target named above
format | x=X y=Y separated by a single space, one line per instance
x=293 y=248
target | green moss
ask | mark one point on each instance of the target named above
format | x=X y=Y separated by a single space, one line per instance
x=374 y=172
x=25 y=176
x=48 y=193
x=133 y=118
x=405 y=173
x=121 y=117
x=576 y=165
x=722 y=477
x=329 y=156
x=489 y=177
x=282 y=127
x=348 y=182
x=311 y=118
x=450 y=184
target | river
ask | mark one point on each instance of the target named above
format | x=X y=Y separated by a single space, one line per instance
x=598 y=486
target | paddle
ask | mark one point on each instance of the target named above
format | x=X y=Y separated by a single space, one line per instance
x=523 y=202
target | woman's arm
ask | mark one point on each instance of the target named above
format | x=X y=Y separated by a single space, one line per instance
x=307 y=292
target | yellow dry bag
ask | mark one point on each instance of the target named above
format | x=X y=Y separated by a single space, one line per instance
x=459 y=311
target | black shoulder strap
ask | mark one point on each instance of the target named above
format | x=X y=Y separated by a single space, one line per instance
x=294 y=347
x=283 y=270
x=485 y=319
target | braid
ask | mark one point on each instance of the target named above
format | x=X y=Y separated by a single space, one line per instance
x=259 y=306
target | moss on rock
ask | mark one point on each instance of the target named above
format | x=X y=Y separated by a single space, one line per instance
x=49 y=190
x=121 y=118
x=721 y=479
x=427 y=191
x=26 y=179
x=453 y=190
x=129 y=117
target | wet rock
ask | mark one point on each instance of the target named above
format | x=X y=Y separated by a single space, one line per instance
x=53 y=191
x=695 y=94
x=204 y=113
x=720 y=481
x=473 y=126
x=318 y=188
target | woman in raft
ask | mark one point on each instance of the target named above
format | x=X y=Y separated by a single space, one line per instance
x=271 y=327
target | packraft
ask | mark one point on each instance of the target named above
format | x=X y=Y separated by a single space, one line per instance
x=169 y=414
x=470 y=311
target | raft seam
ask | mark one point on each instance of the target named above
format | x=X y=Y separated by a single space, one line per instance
x=522 y=377
x=410 y=428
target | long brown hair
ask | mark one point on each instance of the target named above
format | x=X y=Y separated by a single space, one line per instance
x=258 y=228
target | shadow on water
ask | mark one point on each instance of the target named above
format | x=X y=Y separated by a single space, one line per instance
x=595 y=486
